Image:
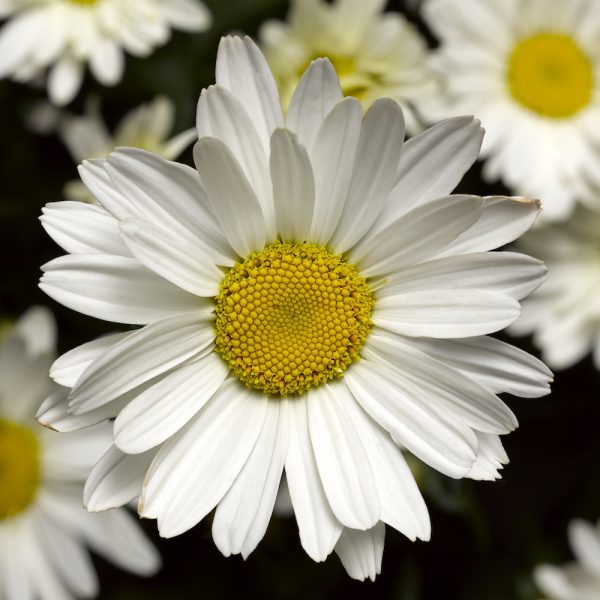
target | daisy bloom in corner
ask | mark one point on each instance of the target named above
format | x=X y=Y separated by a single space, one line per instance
x=311 y=300
x=62 y=36
x=529 y=69
x=579 y=580
x=148 y=126
x=564 y=314
x=44 y=531
x=375 y=53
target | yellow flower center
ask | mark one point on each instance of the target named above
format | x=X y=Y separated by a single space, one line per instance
x=83 y=1
x=551 y=75
x=19 y=468
x=291 y=317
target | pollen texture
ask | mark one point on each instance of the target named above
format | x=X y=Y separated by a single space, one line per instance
x=291 y=317
x=19 y=468
x=549 y=74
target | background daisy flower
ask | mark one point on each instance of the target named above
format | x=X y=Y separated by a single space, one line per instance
x=44 y=531
x=65 y=35
x=375 y=53
x=311 y=298
x=529 y=70
x=579 y=580
x=148 y=126
x=564 y=314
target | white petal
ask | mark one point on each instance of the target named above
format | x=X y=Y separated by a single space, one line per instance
x=319 y=529
x=452 y=314
x=584 y=539
x=65 y=80
x=375 y=167
x=508 y=273
x=333 y=155
x=70 y=558
x=402 y=505
x=164 y=408
x=82 y=228
x=416 y=236
x=54 y=413
x=107 y=62
x=188 y=15
x=341 y=458
x=95 y=178
x=242 y=69
x=138 y=358
x=196 y=467
x=67 y=369
x=37 y=328
x=495 y=365
x=113 y=288
x=221 y=115
x=361 y=551
x=116 y=536
x=18 y=38
x=443 y=442
x=432 y=165
x=502 y=221
x=70 y=456
x=184 y=261
x=242 y=517
x=317 y=93
x=293 y=186
x=115 y=480
x=491 y=458
x=169 y=195
x=554 y=582
x=24 y=381
x=233 y=201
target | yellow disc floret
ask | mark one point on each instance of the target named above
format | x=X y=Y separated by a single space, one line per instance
x=19 y=468
x=292 y=316
x=550 y=74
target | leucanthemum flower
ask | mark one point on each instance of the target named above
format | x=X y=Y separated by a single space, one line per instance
x=65 y=35
x=44 y=531
x=579 y=580
x=529 y=70
x=374 y=53
x=311 y=298
x=148 y=126
x=564 y=314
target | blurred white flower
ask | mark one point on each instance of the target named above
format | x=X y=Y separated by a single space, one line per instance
x=64 y=35
x=564 y=314
x=147 y=126
x=311 y=297
x=44 y=531
x=529 y=70
x=579 y=580
x=374 y=53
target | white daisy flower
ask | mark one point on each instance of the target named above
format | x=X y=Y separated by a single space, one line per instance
x=374 y=53
x=148 y=126
x=44 y=531
x=564 y=314
x=311 y=299
x=529 y=70
x=579 y=580
x=64 y=35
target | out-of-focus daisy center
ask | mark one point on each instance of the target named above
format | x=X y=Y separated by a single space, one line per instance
x=84 y=2
x=292 y=316
x=551 y=75
x=19 y=468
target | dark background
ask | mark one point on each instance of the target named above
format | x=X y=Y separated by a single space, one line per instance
x=486 y=536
